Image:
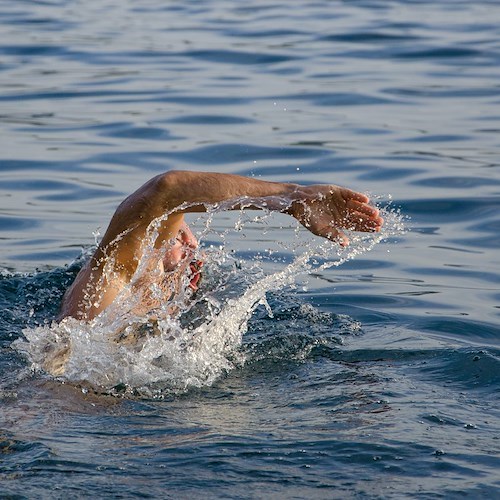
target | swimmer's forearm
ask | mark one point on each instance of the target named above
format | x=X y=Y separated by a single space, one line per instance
x=320 y=208
x=317 y=207
x=194 y=191
x=200 y=189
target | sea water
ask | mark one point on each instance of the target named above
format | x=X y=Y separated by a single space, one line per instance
x=297 y=371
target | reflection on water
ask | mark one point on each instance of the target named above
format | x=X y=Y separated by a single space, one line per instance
x=375 y=378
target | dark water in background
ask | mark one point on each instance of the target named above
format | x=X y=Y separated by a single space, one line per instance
x=397 y=98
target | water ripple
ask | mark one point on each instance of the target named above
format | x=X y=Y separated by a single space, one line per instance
x=394 y=354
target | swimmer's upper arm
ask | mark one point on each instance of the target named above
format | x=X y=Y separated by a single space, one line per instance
x=90 y=293
x=116 y=259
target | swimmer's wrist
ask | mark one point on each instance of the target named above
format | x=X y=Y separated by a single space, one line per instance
x=296 y=201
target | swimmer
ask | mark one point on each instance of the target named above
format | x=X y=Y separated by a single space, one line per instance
x=325 y=210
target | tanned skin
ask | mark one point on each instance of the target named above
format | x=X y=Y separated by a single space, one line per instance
x=325 y=210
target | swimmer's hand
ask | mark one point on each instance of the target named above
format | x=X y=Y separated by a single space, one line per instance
x=326 y=210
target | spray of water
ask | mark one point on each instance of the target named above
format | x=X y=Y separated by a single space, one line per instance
x=186 y=340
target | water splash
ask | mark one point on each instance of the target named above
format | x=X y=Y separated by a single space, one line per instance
x=187 y=340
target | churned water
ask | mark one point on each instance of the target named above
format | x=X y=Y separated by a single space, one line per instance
x=298 y=371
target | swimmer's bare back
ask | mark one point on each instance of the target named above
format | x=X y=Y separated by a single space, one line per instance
x=325 y=210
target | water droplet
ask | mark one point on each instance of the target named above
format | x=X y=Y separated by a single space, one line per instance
x=470 y=426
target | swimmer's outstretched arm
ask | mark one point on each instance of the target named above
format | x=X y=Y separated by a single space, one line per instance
x=325 y=210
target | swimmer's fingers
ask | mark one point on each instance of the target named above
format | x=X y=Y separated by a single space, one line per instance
x=359 y=221
x=323 y=224
x=362 y=207
x=347 y=207
x=350 y=195
x=361 y=217
x=327 y=210
x=338 y=236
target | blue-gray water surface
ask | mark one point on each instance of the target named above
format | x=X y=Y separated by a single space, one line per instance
x=375 y=379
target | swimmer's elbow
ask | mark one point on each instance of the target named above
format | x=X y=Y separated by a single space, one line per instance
x=172 y=181
x=177 y=187
x=170 y=187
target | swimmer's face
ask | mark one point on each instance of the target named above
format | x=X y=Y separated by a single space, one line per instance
x=180 y=255
x=181 y=251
